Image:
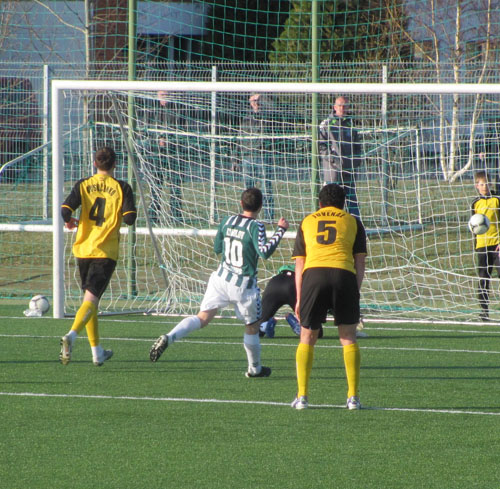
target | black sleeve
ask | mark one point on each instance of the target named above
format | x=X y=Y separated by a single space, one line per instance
x=66 y=214
x=129 y=219
x=299 y=248
x=360 y=241
x=473 y=207
x=129 y=210
x=72 y=202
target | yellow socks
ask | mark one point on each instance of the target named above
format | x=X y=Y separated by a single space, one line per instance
x=83 y=315
x=92 y=329
x=304 y=360
x=352 y=362
x=87 y=317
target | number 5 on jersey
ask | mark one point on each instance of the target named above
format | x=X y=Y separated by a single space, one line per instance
x=327 y=232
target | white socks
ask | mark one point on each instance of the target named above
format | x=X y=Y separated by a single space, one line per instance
x=72 y=335
x=251 y=342
x=186 y=326
x=96 y=352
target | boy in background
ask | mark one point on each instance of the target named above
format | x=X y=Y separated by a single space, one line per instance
x=487 y=244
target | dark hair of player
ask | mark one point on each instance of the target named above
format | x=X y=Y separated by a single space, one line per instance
x=333 y=195
x=251 y=199
x=481 y=175
x=105 y=159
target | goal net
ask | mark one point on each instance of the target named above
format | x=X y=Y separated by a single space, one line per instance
x=191 y=148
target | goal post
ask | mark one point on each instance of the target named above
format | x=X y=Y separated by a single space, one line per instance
x=414 y=196
x=57 y=100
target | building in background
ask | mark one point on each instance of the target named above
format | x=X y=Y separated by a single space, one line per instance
x=55 y=31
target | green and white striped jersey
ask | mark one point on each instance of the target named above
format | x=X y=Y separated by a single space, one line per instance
x=241 y=240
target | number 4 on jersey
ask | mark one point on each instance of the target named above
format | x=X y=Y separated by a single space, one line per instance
x=97 y=211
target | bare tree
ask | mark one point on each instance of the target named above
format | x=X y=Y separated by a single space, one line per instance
x=5 y=16
x=439 y=31
x=479 y=99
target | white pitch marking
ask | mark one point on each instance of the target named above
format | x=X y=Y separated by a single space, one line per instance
x=235 y=401
x=283 y=345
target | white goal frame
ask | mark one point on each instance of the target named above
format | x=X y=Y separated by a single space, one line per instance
x=57 y=100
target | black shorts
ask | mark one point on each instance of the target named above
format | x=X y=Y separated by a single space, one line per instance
x=328 y=288
x=96 y=273
x=280 y=290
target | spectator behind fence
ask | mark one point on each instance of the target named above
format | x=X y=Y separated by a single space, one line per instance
x=340 y=152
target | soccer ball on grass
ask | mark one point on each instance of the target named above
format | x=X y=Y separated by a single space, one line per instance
x=39 y=303
x=479 y=224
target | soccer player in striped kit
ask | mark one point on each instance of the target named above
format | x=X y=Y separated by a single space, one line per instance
x=240 y=240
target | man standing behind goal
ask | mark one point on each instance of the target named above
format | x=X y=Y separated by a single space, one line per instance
x=340 y=150
x=241 y=239
x=104 y=203
x=329 y=252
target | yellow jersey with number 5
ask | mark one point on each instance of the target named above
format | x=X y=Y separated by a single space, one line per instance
x=103 y=201
x=330 y=237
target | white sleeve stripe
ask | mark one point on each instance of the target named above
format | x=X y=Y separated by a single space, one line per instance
x=273 y=241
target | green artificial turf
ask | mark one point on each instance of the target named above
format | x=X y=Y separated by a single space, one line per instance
x=431 y=416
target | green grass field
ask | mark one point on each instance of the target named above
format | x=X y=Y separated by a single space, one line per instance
x=431 y=416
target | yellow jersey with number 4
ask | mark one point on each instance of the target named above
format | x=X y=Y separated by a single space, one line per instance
x=103 y=201
x=330 y=237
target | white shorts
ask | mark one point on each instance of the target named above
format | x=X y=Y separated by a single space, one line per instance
x=220 y=293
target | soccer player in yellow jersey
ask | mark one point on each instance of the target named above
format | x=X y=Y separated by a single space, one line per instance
x=329 y=253
x=487 y=244
x=104 y=203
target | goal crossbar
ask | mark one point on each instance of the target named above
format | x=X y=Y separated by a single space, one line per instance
x=268 y=87
x=404 y=202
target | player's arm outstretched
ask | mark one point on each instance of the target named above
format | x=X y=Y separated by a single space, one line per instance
x=266 y=248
